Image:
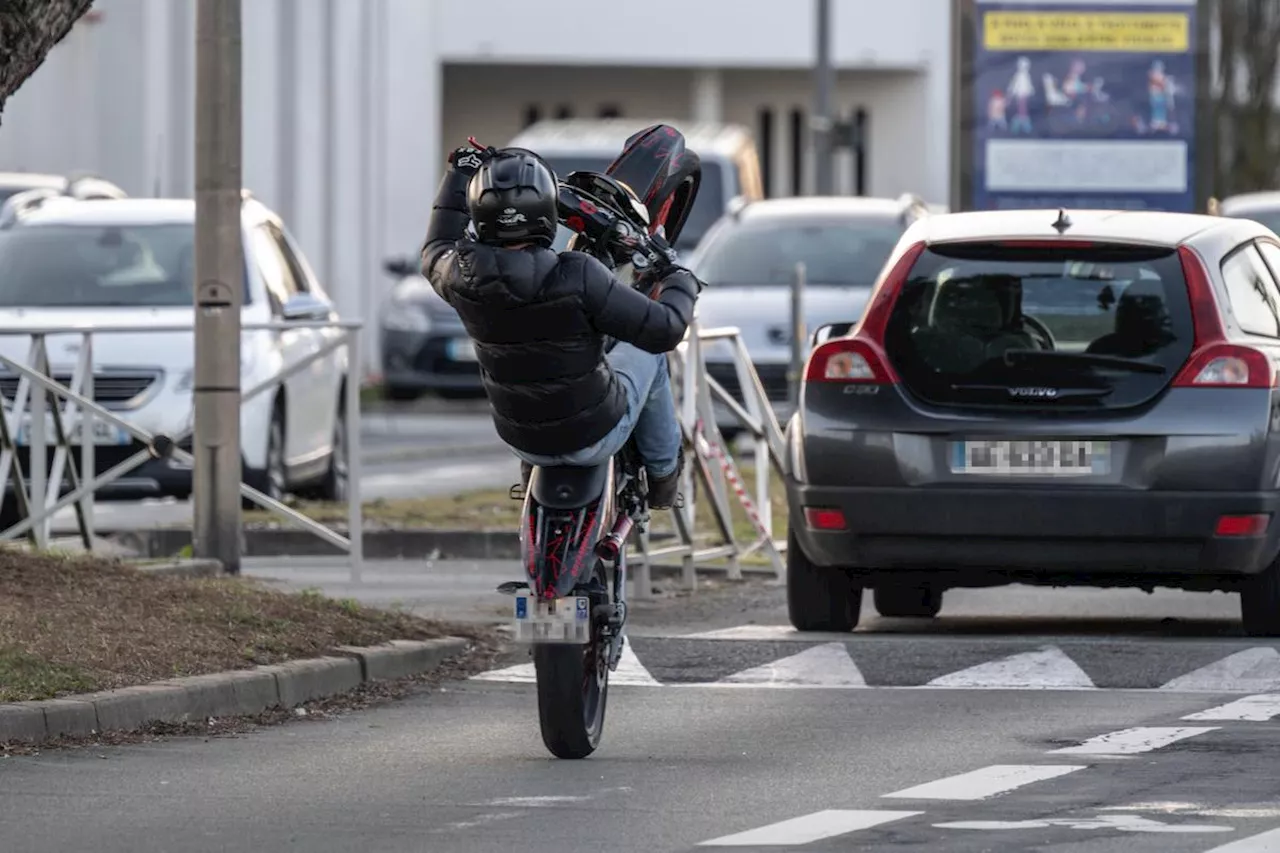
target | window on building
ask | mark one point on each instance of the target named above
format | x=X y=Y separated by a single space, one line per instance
x=610 y=111
x=797 y=151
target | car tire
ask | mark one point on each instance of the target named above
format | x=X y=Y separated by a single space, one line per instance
x=333 y=487
x=911 y=601
x=1260 y=603
x=819 y=598
x=401 y=393
x=272 y=480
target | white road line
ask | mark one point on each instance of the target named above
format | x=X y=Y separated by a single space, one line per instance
x=1267 y=842
x=746 y=632
x=1255 y=709
x=1046 y=669
x=1132 y=741
x=1255 y=670
x=987 y=782
x=630 y=672
x=811 y=827
x=828 y=665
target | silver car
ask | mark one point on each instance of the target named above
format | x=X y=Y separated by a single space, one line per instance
x=1060 y=398
x=748 y=260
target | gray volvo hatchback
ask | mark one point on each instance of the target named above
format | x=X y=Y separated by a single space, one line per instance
x=1047 y=397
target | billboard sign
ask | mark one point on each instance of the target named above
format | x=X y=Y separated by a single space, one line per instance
x=1079 y=104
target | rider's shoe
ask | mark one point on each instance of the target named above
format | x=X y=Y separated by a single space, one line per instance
x=662 y=490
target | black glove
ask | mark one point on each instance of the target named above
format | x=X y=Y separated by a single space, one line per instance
x=468 y=159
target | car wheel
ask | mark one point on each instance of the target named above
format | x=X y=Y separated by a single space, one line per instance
x=334 y=486
x=819 y=598
x=272 y=481
x=1260 y=603
x=908 y=600
x=401 y=393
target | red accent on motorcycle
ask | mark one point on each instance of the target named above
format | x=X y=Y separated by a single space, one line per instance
x=611 y=546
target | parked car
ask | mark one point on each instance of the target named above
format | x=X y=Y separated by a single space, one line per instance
x=66 y=262
x=959 y=437
x=1261 y=207
x=84 y=187
x=424 y=345
x=749 y=258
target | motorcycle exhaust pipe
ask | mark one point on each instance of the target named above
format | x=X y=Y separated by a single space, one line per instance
x=610 y=546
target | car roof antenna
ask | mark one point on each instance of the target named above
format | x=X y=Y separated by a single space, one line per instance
x=1063 y=222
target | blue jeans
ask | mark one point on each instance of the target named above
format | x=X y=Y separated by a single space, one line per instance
x=650 y=415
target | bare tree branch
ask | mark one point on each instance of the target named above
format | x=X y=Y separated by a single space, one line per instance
x=28 y=31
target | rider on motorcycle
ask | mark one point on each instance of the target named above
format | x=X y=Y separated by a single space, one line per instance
x=538 y=320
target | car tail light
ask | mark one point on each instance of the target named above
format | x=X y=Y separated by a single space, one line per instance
x=849 y=360
x=824 y=518
x=1214 y=363
x=861 y=358
x=1242 y=525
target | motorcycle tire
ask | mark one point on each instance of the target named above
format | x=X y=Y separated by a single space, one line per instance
x=572 y=694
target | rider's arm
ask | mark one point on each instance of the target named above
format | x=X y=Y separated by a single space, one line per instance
x=653 y=325
x=448 y=225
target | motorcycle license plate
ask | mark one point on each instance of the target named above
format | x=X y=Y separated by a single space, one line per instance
x=561 y=620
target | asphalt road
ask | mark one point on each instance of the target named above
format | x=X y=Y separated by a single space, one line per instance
x=416 y=454
x=1104 y=721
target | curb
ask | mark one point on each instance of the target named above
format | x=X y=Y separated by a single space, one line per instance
x=419 y=544
x=197 y=568
x=236 y=693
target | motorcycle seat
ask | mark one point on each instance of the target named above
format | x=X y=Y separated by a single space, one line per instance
x=568 y=487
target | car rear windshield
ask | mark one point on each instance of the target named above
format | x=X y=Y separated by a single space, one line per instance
x=1095 y=327
x=847 y=251
x=75 y=266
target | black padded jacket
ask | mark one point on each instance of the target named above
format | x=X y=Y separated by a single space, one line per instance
x=538 y=321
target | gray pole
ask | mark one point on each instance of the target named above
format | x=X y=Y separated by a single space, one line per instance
x=219 y=263
x=799 y=335
x=824 y=83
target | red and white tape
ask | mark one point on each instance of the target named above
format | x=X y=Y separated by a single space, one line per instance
x=731 y=474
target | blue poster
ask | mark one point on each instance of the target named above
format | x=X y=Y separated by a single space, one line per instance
x=1084 y=104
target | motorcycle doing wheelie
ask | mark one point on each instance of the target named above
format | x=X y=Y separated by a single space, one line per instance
x=572 y=607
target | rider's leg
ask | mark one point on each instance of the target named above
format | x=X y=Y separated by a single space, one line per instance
x=657 y=431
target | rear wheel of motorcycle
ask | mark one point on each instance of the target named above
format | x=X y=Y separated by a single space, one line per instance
x=573 y=686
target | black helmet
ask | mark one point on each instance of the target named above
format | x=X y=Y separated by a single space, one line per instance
x=512 y=199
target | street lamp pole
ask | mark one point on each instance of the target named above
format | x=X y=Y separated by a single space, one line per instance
x=219 y=285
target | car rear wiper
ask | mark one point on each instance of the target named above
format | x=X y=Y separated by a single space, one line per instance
x=1112 y=362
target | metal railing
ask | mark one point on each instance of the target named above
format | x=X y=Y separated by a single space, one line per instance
x=42 y=496
x=714 y=467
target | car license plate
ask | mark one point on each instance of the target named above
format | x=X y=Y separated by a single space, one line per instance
x=1033 y=457
x=103 y=433
x=561 y=620
x=461 y=349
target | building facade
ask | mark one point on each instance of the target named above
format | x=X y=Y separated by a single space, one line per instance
x=351 y=105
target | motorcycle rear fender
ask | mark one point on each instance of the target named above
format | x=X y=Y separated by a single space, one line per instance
x=558 y=538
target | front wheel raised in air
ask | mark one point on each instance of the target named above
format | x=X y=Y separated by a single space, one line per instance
x=573 y=686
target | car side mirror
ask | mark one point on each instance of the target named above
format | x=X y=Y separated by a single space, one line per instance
x=306 y=306
x=400 y=267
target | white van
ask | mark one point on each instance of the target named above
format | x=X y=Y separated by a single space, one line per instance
x=730 y=163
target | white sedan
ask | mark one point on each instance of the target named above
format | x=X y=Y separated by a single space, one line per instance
x=130 y=263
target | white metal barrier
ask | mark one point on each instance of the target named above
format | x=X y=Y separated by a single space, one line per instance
x=74 y=413
x=713 y=465
x=43 y=496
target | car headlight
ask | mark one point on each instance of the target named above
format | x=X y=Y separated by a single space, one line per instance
x=406 y=317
